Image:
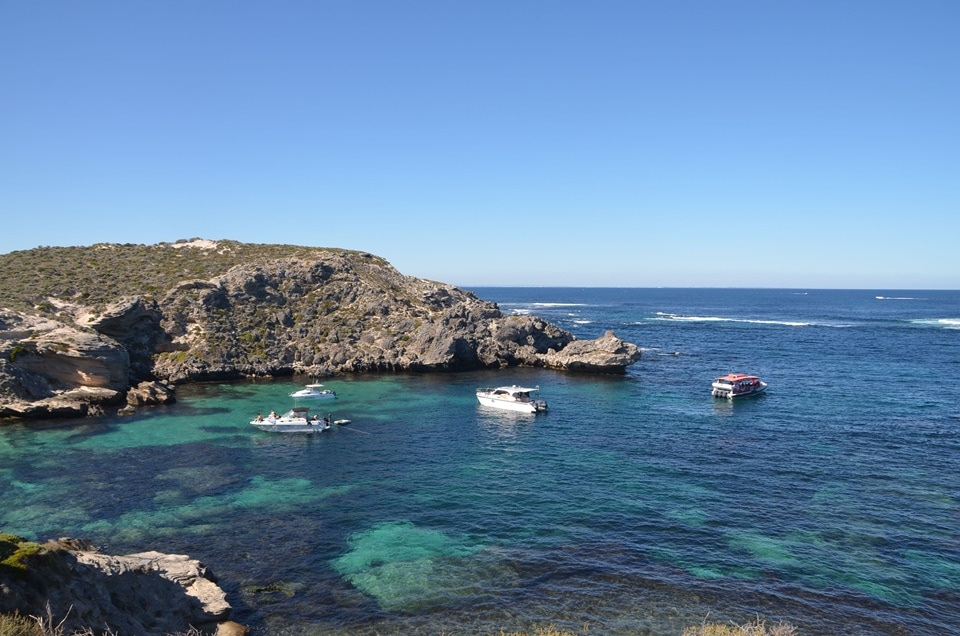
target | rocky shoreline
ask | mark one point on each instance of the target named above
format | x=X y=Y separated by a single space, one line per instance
x=78 y=588
x=316 y=312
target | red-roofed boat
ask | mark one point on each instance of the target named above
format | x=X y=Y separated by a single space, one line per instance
x=737 y=385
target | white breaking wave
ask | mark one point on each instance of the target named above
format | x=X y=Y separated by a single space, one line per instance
x=945 y=323
x=898 y=298
x=524 y=309
x=786 y=323
x=658 y=352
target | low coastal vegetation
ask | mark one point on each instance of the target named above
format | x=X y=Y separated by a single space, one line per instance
x=100 y=274
x=15 y=552
x=17 y=625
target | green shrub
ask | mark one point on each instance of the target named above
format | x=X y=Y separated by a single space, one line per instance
x=14 y=552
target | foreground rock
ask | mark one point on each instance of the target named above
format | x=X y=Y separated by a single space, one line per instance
x=315 y=312
x=145 y=593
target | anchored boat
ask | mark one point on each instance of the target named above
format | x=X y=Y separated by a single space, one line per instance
x=737 y=385
x=296 y=420
x=512 y=398
x=314 y=392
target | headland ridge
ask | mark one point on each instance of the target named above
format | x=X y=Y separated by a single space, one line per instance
x=84 y=330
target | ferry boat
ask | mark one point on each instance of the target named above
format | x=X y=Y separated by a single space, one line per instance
x=512 y=398
x=737 y=385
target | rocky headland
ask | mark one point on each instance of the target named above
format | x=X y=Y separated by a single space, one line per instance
x=84 y=329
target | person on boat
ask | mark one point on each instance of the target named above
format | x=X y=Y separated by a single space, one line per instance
x=273 y=415
x=259 y=417
x=315 y=419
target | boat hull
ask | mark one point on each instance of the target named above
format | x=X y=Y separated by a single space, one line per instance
x=314 y=392
x=728 y=393
x=519 y=406
x=291 y=427
x=309 y=395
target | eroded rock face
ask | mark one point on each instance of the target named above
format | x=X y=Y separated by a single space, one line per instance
x=135 y=324
x=332 y=313
x=47 y=367
x=145 y=593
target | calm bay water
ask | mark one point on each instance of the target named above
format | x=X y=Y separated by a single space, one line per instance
x=636 y=505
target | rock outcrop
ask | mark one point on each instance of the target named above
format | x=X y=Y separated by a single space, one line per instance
x=606 y=354
x=146 y=593
x=50 y=368
x=268 y=313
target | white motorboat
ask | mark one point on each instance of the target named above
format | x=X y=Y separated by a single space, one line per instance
x=296 y=420
x=314 y=392
x=512 y=398
x=737 y=385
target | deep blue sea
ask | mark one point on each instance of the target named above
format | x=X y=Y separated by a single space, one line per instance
x=638 y=504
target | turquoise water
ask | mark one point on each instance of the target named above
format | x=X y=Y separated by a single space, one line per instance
x=636 y=505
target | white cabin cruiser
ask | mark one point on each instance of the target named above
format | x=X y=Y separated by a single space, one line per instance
x=296 y=420
x=314 y=392
x=512 y=398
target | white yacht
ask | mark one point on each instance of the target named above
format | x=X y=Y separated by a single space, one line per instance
x=296 y=420
x=512 y=398
x=314 y=392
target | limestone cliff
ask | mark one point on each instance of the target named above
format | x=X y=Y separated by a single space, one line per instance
x=202 y=310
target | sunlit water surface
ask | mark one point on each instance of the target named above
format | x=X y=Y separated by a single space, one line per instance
x=636 y=505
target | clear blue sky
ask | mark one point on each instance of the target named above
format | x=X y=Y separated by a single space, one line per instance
x=766 y=143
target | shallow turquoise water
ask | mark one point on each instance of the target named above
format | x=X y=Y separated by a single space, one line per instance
x=636 y=505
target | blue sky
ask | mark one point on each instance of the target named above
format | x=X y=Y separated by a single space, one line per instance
x=525 y=142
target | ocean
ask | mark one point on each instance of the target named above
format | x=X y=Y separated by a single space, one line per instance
x=637 y=504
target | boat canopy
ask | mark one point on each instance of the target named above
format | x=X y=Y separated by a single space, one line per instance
x=737 y=377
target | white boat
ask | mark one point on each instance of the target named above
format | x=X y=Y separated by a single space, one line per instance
x=737 y=385
x=296 y=420
x=314 y=392
x=512 y=398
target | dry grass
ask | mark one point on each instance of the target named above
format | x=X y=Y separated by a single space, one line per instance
x=17 y=625
x=757 y=628
x=544 y=631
